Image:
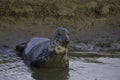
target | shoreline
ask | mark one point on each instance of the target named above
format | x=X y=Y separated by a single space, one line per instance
x=109 y=53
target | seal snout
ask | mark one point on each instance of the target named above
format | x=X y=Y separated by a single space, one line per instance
x=67 y=41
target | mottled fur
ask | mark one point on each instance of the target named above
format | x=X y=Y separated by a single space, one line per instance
x=44 y=52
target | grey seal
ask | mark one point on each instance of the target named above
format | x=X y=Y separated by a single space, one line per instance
x=44 y=52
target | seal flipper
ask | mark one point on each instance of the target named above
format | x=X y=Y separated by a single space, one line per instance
x=20 y=48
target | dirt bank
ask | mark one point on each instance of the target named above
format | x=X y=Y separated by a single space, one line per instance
x=17 y=24
x=102 y=29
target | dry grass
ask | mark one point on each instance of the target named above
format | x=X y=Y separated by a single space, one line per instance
x=58 y=8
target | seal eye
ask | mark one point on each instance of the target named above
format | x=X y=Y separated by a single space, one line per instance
x=68 y=34
x=59 y=34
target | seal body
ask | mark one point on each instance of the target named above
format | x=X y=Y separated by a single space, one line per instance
x=44 y=52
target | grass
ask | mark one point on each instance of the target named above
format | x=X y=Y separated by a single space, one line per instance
x=58 y=8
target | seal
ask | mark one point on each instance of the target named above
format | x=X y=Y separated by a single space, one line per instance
x=44 y=52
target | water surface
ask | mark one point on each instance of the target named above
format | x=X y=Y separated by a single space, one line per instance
x=81 y=68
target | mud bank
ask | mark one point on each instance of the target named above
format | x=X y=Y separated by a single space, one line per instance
x=87 y=20
x=102 y=30
x=95 y=46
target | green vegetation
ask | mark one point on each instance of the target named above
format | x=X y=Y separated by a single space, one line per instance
x=58 y=8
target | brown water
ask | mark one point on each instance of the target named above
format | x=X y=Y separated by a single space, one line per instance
x=102 y=68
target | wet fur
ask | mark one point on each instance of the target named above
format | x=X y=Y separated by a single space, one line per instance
x=46 y=52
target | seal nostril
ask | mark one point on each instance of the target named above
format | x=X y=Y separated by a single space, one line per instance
x=67 y=41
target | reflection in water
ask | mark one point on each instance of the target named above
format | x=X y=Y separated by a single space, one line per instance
x=13 y=68
x=50 y=74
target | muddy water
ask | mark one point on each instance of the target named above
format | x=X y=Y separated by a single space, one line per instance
x=102 y=68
